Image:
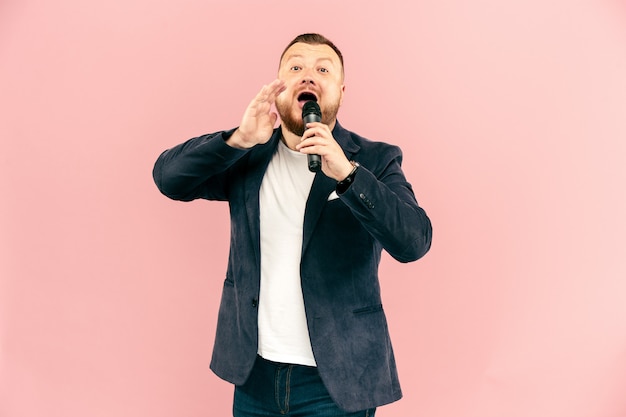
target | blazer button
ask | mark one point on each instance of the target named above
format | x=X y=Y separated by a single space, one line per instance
x=366 y=200
x=255 y=303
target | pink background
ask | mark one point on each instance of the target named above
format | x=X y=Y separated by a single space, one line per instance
x=512 y=117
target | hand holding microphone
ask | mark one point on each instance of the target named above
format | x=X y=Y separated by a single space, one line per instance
x=337 y=165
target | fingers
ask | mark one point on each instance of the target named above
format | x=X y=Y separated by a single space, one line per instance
x=315 y=130
x=270 y=91
x=318 y=139
x=257 y=123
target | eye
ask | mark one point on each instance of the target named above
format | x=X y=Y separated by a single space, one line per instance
x=295 y=68
x=323 y=70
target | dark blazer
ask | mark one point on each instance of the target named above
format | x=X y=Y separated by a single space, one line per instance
x=342 y=243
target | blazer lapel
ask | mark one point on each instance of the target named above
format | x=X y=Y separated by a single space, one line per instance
x=257 y=165
x=320 y=190
x=323 y=186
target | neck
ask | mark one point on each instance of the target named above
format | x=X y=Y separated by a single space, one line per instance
x=289 y=138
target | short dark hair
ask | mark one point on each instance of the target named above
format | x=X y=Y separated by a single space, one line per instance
x=314 y=39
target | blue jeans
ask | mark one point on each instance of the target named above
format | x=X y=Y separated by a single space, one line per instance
x=280 y=389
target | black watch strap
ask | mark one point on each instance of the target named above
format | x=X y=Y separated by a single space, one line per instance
x=343 y=185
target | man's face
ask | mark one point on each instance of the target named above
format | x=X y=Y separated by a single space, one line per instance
x=310 y=72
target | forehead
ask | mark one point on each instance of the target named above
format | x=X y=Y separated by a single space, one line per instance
x=313 y=52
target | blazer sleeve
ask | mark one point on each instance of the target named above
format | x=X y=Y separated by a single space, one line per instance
x=383 y=201
x=197 y=168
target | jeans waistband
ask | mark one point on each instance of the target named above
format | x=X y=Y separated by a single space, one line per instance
x=281 y=364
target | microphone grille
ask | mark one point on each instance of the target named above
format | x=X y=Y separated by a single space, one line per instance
x=311 y=107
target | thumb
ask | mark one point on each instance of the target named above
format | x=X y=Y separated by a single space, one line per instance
x=273 y=118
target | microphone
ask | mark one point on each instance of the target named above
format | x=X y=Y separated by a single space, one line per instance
x=311 y=113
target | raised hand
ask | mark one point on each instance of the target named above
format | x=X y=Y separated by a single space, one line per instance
x=257 y=123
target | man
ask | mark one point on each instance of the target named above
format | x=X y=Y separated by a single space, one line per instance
x=301 y=328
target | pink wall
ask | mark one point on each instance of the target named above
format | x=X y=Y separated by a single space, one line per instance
x=512 y=116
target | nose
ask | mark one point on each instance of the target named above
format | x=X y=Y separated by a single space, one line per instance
x=307 y=78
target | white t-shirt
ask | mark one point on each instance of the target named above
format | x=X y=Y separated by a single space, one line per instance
x=283 y=332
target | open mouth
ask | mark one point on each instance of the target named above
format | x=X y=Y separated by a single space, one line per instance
x=306 y=96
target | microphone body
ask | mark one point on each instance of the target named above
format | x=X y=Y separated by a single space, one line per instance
x=311 y=113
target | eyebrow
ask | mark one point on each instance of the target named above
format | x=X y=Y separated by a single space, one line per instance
x=288 y=57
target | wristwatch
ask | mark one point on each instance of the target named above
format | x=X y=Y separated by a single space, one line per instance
x=343 y=185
